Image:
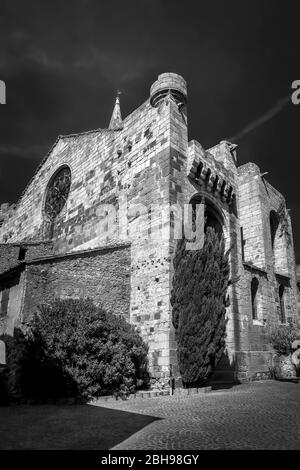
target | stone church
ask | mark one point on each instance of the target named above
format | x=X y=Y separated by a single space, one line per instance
x=101 y=216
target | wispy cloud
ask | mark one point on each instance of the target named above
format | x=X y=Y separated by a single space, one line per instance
x=33 y=152
x=45 y=60
x=267 y=116
x=113 y=64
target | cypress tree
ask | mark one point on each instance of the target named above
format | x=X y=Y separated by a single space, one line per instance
x=198 y=298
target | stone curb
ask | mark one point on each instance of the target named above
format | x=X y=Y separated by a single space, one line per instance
x=191 y=391
x=154 y=393
x=132 y=396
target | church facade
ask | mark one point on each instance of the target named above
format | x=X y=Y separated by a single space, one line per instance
x=101 y=217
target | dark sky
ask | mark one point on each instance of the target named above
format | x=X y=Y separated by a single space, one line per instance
x=63 y=62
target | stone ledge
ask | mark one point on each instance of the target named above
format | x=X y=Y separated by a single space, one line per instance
x=283 y=278
x=191 y=391
x=251 y=267
x=79 y=253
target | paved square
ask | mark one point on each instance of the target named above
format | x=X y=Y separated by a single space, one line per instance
x=259 y=415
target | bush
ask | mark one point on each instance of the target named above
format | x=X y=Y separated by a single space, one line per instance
x=97 y=352
x=74 y=348
x=282 y=337
x=198 y=296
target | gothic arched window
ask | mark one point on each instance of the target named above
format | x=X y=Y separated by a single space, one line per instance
x=278 y=244
x=274 y=223
x=57 y=192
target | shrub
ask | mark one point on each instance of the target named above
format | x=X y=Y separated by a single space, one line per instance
x=198 y=296
x=74 y=348
x=96 y=352
x=282 y=337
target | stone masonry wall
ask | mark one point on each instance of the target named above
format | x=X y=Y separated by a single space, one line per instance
x=103 y=275
x=271 y=267
x=151 y=262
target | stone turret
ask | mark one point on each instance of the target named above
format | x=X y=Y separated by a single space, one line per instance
x=169 y=83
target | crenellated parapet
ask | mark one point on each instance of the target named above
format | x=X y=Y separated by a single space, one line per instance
x=214 y=179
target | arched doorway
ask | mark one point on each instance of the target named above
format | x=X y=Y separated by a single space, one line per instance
x=212 y=215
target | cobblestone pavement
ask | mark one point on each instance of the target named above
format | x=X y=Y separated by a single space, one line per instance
x=260 y=415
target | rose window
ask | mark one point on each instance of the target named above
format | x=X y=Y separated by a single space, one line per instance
x=57 y=192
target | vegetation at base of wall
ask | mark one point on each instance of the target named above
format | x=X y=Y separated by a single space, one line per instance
x=200 y=282
x=282 y=337
x=13 y=377
x=74 y=348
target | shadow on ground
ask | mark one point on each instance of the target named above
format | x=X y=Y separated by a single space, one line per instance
x=81 y=427
x=223 y=376
x=223 y=386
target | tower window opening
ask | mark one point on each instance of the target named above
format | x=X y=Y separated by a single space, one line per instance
x=22 y=254
x=281 y=304
x=254 y=289
x=243 y=244
x=274 y=223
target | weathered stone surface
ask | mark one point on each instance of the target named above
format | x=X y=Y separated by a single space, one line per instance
x=284 y=367
x=102 y=275
x=115 y=237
